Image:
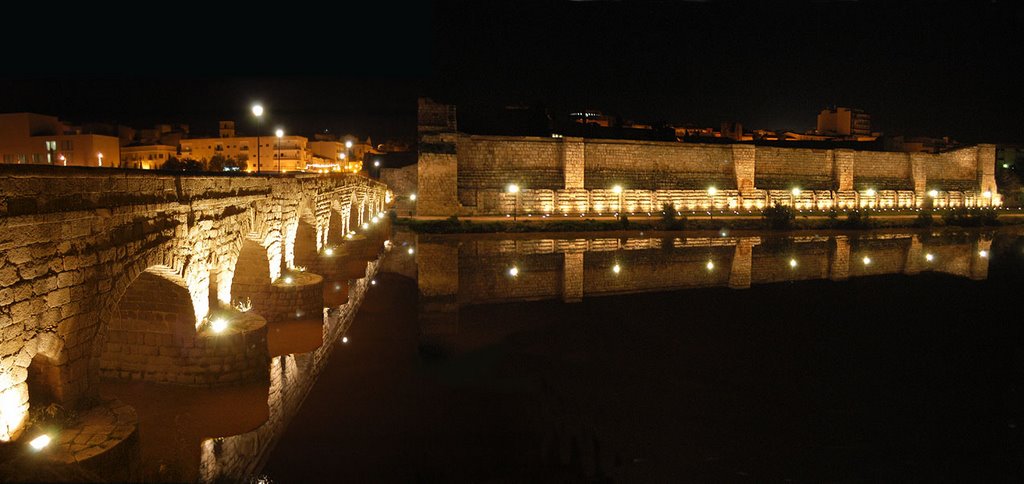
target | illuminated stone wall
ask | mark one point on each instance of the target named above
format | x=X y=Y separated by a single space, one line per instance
x=463 y=174
x=72 y=240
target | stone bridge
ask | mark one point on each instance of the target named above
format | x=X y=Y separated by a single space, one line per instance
x=157 y=277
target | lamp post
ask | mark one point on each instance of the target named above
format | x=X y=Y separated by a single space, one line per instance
x=257 y=110
x=280 y=134
x=99 y=156
x=617 y=190
x=514 y=189
x=348 y=149
x=711 y=192
x=376 y=168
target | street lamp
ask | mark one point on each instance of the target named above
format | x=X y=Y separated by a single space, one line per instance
x=257 y=110
x=711 y=192
x=376 y=168
x=514 y=189
x=280 y=134
x=617 y=190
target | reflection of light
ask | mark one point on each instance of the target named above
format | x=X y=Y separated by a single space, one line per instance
x=792 y=263
x=410 y=251
x=929 y=257
x=514 y=271
x=616 y=269
x=867 y=260
x=39 y=443
x=329 y=251
x=219 y=325
x=983 y=253
x=710 y=265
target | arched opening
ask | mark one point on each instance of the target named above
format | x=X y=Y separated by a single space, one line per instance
x=251 y=279
x=336 y=229
x=44 y=382
x=305 y=243
x=150 y=327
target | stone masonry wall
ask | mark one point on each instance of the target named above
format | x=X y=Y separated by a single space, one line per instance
x=462 y=174
x=73 y=239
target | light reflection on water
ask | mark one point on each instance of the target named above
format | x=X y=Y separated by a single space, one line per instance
x=454 y=273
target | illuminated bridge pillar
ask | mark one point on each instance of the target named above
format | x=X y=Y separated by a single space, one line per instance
x=742 y=262
x=839 y=269
x=572 y=277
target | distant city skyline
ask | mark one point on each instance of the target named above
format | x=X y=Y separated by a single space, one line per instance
x=919 y=70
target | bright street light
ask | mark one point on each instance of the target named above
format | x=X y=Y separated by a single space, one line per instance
x=871 y=192
x=257 y=110
x=796 y=192
x=412 y=197
x=348 y=144
x=617 y=189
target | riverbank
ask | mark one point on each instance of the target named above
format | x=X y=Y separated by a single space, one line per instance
x=794 y=220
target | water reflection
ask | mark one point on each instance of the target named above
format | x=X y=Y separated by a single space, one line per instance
x=455 y=272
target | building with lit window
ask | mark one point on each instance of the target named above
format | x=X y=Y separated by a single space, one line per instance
x=146 y=157
x=285 y=154
x=28 y=138
x=838 y=121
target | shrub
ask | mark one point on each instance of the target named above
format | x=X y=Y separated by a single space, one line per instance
x=779 y=217
x=669 y=220
x=924 y=219
x=858 y=219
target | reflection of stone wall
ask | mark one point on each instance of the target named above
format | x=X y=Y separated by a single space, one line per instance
x=461 y=174
x=477 y=271
x=239 y=457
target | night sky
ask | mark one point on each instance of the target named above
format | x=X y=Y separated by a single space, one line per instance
x=925 y=69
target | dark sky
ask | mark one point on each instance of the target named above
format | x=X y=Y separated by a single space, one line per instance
x=924 y=69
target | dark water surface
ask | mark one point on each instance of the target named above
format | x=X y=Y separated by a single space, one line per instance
x=880 y=356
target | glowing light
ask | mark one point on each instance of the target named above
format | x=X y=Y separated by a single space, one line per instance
x=513 y=188
x=866 y=260
x=987 y=194
x=279 y=133
x=257 y=110
x=100 y=157
x=365 y=225
x=792 y=263
x=411 y=251
x=617 y=189
x=219 y=325
x=710 y=265
x=616 y=269
x=376 y=163
x=983 y=253
x=870 y=192
x=344 y=339
x=796 y=192
x=933 y=193
x=514 y=271
x=329 y=251
x=929 y=257
x=40 y=443
x=348 y=144
x=288 y=280
x=412 y=197
x=348 y=236
x=712 y=191
x=373 y=282
x=375 y=219
x=1006 y=165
